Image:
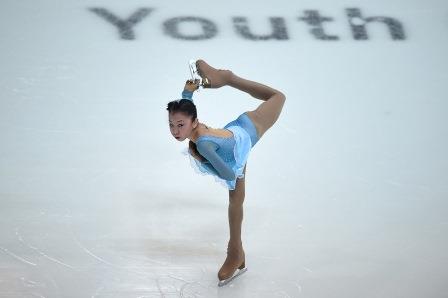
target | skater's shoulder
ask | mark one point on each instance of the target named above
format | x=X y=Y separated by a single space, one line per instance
x=215 y=134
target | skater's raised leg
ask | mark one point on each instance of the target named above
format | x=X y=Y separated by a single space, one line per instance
x=267 y=113
x=216 y=78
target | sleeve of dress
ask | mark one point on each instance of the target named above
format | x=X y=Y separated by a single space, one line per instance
x=208 y=150
x=210 y=169
x=187 y=94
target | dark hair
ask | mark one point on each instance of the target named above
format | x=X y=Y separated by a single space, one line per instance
x=184 y=106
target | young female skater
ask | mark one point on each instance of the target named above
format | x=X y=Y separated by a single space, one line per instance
x=224 y=152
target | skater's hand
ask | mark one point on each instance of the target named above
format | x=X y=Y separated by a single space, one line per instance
x=191 y=85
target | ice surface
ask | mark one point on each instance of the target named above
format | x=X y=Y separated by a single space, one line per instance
x=346 y=196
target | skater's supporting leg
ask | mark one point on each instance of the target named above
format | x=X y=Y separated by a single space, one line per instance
x=236 y=200
x=235 y=254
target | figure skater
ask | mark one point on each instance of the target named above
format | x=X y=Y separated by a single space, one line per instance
x=224 y=152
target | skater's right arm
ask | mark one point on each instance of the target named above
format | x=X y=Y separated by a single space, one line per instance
x=189 y=88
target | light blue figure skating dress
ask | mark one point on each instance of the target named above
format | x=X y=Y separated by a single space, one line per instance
x=226 y=157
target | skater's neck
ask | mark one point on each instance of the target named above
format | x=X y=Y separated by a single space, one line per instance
x=199 y=130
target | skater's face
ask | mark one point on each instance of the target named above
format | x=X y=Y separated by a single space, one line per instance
x=181 y=125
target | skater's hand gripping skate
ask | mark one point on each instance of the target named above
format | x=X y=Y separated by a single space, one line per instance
x=191 y=85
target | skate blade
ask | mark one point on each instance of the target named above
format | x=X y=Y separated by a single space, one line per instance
x=235 y=275
x=193 y=69
x=203 y=83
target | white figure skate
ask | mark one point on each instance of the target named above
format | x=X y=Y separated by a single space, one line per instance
x=237 y=273
x=195 y=76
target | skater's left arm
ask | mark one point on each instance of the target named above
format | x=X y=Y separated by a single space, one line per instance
x=204 y=162
x=208 y=150
x=194 y=152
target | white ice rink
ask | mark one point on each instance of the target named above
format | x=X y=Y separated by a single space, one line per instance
x=346 y=196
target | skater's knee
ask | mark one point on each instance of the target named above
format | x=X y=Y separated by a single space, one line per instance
x=281 y=97
x=236 y=200
x=236 y=197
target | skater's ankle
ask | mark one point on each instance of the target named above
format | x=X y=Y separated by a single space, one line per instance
x=223 y=78
x=235 y=245
x=233 y=80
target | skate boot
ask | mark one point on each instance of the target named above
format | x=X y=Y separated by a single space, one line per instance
x=233 y=266
x=195 y=76
x=209 y=77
